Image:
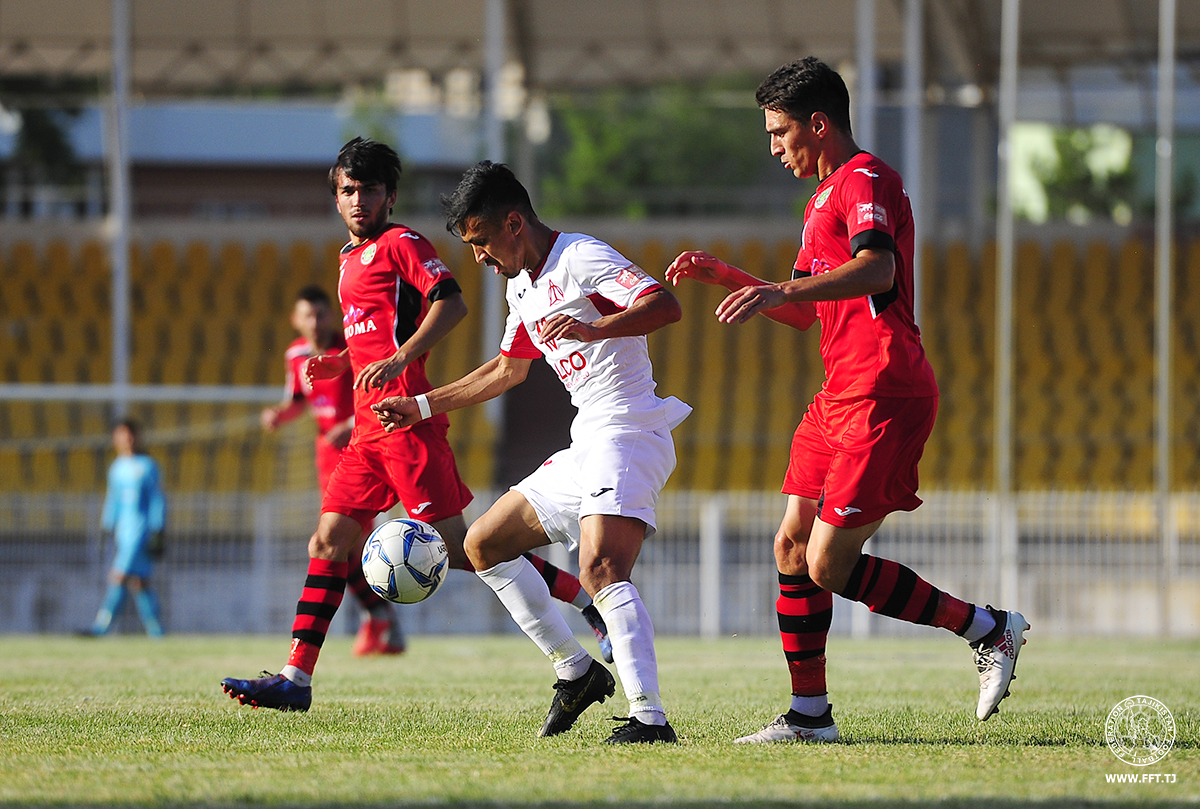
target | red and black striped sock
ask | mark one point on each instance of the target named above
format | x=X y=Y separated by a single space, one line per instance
x=805 y=613
x=562 y=584
x=889 y=588
x=368 y=598
x=323 y=590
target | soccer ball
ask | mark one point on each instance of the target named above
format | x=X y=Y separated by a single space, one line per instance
x=405 y=561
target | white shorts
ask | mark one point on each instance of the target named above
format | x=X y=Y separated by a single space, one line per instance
x=617 y=473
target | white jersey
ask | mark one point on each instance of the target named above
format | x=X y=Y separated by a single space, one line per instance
x=610 y=381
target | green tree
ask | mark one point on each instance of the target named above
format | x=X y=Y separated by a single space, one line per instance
x=664 y=150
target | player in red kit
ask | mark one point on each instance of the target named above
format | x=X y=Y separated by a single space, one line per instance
x=331 y=402
x=854 y=456
x=398 y=300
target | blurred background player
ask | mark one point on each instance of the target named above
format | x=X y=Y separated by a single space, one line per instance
x=135 y=513
x=854 y=456
x=586 y=309
x=398 y=300
x=331 y=402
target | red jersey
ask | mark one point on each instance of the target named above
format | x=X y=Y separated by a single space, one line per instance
x=385 y=287
x=331 y=400
x=870 y=345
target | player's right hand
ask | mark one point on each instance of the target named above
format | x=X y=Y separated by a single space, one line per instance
x=269 y=418
x=696 y=264
x=325 y=366
x=395 y=412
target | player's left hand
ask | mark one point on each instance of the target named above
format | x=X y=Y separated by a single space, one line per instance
x=395 y=412
x=565 y=327
x=740 y=306
x=380 y=372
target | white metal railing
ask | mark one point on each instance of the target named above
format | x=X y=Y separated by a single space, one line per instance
x=1088 y=563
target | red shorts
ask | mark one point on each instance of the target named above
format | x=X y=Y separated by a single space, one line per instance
x=327 y=460
x=413 y=467
x=858 y=458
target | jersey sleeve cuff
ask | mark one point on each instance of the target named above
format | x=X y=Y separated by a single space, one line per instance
x=443 y=289
x=872 y=239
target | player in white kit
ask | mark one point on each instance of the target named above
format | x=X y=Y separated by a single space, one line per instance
x=587 y=309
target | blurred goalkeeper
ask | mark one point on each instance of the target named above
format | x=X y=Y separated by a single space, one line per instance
x=135 y=512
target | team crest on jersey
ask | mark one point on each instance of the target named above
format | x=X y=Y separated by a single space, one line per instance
x=631 y=276
x=554 y=293
x=435 y=267
x=824 y=195
x=368 y=255
x=872 y=212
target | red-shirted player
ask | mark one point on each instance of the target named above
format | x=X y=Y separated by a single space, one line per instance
x=398 y=300
x=854 y=456
x=331 y=402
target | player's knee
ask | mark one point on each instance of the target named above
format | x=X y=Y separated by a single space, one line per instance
x=789 y=554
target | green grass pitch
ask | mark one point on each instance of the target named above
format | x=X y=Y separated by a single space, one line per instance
x=126 y=721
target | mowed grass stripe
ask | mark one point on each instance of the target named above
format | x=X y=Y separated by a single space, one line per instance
x=131 y=722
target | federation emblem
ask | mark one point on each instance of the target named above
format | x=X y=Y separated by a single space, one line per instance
x=824 y=195
x=1140 y=731
x=368 y=255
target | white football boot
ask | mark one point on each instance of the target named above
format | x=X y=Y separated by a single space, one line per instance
x=997 y=660
x=782 y=730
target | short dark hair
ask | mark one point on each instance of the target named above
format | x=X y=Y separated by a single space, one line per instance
x=488 y=191
x=801 y=88
x=131 y=424
x=314 y=294
x=367 y=161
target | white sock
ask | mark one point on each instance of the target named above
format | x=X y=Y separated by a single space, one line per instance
x=810 y=706
x=300 y=678
x=981 y=624
x=632 y=636
x=523 y=592
x=582 y=599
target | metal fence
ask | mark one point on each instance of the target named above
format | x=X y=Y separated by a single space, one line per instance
x=1087 y=564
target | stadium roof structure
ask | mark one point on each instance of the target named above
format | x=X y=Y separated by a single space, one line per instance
x=201 y=47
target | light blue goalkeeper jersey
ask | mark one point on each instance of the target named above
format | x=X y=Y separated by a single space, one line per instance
x=134 y=509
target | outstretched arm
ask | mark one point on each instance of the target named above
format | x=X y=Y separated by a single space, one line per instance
x=870 y=272
x=444 y=314
x=711 y=270
x=486 y=382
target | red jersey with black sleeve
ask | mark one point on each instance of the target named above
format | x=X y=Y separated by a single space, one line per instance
x=870 y=345
x=385 y=287
x=330 y=400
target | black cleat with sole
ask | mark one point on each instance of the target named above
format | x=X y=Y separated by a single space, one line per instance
x=636 y=732
x=572 y=698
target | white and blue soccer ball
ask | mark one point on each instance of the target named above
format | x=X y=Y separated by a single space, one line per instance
x=405 y=561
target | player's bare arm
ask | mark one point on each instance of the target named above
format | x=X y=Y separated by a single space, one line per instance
x=326 y=366
x=282 y=413
x=648 y=313
x=870 y=272
x=444 y=315
x=486 y=382
x=709 y=269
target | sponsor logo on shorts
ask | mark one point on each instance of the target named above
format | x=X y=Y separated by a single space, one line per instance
x=421 y=508
x=847 y=511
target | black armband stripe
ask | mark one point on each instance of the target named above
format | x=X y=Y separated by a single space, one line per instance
x=444 y=289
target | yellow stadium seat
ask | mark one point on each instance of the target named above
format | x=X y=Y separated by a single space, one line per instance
x=84 y=470
x=20 y=419
x=45 y=468
x=262 y=466
x=194 y=467
x=15 y=476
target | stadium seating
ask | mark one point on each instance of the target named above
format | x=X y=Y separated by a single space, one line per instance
x=217 y=314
